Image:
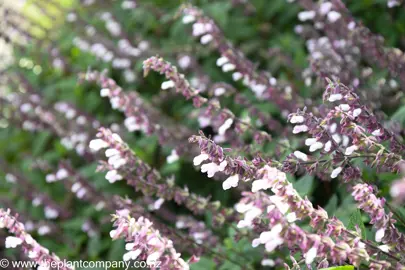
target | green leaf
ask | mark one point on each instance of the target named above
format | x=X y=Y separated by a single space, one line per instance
x=344 y=267
x=40 y=143
x=332 y=204
x=219 y=12
x=94 y=246
x=304 y=185
x=229 y=266
x=88 y=170
x=74 y=224
x=203 y=264
x=117 y=249
x=399 y=115
x=355 y=219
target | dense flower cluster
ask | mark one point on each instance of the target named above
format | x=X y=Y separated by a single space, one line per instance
x=123 y=163
x=306 y=154
x=145 y=242
x=384 y=223
x=30 y=247
x=348 y=131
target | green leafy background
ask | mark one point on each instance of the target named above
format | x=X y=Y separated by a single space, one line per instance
x=272 y=26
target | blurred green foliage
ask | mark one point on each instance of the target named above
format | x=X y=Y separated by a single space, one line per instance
x=271 y=26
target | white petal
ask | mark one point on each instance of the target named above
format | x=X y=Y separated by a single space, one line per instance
x=255 y=242
x=173 y=157
x=333 y=127
x=111 y=152
x=260 y=184
x=306 y=15
x=222 y=165
x=210 y=169
x=282 y=206
x=336 y=172
x=291 y=217
x=251 y=214
x=231 y=181
x=12 y=242
x=158 y=204
x=296 y=119
x=188 y=19
x=221 y=61
x=266 y=237
x=300 y=128
x=325 y=7
x=152 y=259
x=333 y=16
x=228 y=67
x=268 y=262
x=316 y=146
x=356 y=112
x=243 y=224
x=113 y=233
x=199 y=159
x=328 y=146
x=105 y=92
x=301 y=155
x=377 y=132
x=219 y=91
x=225 y=126
x=344 y=107
x=242 y=208
x=50 y=213
x=271 y=245
x=351 y=149
x=310 y=141
x=379 y=235
x=258 y=89
x=50 y=178
x=97 y=144
x=236 y=76
x=62 y=174
x=335 y=97
x=384 y=248
x=167 y=85
x=337 y=138
x=206 y=39
x=311 y=255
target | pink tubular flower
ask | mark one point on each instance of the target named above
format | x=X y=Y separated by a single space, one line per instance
x=197 y=230
x=289 y=203
x=233 y=60
x=146 y=243
x=223 y=118
x=30 y=247
x=348 y=130
x=143 y=116
x=281 y=231
x=387 y=233
x=288 y=200
x=142 y=177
